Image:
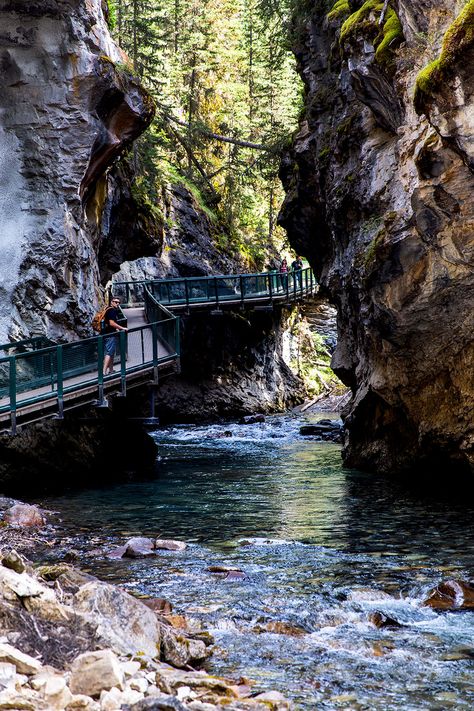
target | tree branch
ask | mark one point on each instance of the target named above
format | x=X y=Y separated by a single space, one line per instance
x=217 y=136
x=384 y=12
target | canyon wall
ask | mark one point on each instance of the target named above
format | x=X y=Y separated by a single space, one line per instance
x=67 y=111
x=379 y=184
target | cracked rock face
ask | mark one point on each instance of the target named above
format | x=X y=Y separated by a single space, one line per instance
x=66 y=113
x=379 y=198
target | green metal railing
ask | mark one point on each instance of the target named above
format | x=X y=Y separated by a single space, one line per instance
x=220 y=289
x=38 y=372
x=38 y=376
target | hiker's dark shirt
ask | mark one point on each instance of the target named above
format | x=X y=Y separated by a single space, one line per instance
x=111 y=315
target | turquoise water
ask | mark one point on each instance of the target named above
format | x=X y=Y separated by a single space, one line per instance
x=322 y=548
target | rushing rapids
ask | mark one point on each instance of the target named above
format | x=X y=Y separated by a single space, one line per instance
x=311 y=578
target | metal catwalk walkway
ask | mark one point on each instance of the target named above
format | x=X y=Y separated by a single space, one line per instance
x=40 y=379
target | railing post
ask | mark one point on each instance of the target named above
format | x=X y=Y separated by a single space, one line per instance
x=177 y=341
x=12 y=388
x=311 y=279
x=60 y=381
x=287 y=277
x=216 y=291
x=270 y=290
x=242 y=289
x=186 y=292
x=123 y=362
x=154 y=336
x=100 y=368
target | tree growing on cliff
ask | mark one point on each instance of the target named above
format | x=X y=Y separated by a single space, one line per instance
x=227 y=98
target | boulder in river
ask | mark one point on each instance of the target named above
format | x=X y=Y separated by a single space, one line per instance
x=451 y=595
x=139 y=547
x=226 y=573
x=251 y=419
x=24 y=515
x=329 y=430
x=159 y=605
x=380 y=620
x=169 y=545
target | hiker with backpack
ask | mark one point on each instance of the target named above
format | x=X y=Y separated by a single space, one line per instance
x=109 y=329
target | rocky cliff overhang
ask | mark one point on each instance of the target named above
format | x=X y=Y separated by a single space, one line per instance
x=67 y=111
x=379 y=197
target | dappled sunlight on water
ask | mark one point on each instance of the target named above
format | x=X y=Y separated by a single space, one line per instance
x=322 y=549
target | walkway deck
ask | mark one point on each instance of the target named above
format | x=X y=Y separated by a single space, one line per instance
x=37 y=403
x=39 y=382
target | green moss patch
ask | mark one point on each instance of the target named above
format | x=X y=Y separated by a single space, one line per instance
x=359 y=18
x=459 y=37
x=385 y=39
x=339 y=9
x=391 y=36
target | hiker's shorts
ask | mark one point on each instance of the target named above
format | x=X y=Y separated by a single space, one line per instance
x=110 y=345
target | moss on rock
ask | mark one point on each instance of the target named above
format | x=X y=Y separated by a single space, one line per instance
x=385 y=39
x=339 y=9
x=391 y=36
x=458 y=37
x=359 y=18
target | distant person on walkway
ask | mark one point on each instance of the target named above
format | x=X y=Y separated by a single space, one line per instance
x=284 y=273
x=111 y=327
x=297 y=266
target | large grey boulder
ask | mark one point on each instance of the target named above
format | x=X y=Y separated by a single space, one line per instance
x=122 y=622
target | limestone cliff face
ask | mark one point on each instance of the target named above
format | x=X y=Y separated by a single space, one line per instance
x=66 y=113
x=380 y=199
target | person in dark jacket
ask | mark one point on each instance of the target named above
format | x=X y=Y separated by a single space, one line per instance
x=111 y=327
x=297 y=266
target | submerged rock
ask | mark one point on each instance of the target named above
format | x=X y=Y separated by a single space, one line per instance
x=380 y=620
x=451 y=595
x=169 y=545
x=138 y=547
x=279 y=627
x=325 y=430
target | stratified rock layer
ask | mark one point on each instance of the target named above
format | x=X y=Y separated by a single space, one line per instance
x=379 y=198
x=67 y=112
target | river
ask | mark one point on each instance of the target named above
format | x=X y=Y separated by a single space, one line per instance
x=322 y=548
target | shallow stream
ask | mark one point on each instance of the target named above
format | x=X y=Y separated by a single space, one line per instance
x=322 y=548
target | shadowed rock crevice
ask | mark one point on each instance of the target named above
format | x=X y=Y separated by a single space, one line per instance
x=124 y=109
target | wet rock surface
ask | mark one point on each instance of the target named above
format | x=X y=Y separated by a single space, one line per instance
x=326 y=430
x=67 y=112
x=88 y=645
x=452 y=595
x=379 y=199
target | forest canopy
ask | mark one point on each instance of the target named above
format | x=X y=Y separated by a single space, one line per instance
x=228 y=97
